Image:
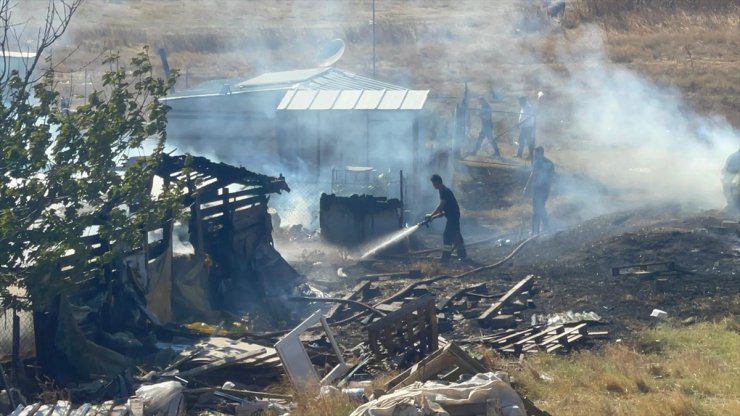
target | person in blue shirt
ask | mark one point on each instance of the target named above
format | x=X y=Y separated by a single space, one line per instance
x=539 y=182
x=486 y=127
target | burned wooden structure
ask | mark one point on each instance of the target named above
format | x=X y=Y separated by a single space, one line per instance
x=228 y=205
x=119 y=311
x=230 y=230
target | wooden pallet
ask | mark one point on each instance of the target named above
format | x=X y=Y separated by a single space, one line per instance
x=413 y=328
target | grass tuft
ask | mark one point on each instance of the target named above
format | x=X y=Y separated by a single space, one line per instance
x=694 y=372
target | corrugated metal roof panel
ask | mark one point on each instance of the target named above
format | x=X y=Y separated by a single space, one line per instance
x=369 y=100
x=282 y=77
x=336 y=79
x=353 y=100
x=286 y=100
x=414 y=100
x=324 y=100
x=302 y=100
x=302 y=79
x=392 y=100
x=347 y=99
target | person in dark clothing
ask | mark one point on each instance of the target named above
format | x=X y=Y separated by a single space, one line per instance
x=527 y=127
x=452 y=239
x=486 y=127
x=543 y=172
x=731 y=182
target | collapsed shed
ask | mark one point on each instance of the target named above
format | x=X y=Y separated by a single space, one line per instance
x=233 y=266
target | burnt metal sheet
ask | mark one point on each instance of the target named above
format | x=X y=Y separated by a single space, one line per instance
x=392 y=100
x=369 y=100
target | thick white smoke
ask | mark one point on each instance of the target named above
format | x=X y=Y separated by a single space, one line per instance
x=618 y=128
x=641 y=138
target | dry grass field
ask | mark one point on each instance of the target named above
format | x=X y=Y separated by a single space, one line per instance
x=671 y=370
x=438 y=44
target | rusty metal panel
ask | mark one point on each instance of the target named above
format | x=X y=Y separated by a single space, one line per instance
x=369 y=100
x=392 y=100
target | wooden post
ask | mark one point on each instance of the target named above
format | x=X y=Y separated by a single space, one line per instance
x=16 y=354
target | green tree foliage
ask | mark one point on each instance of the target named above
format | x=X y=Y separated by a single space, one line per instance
x=64 y=175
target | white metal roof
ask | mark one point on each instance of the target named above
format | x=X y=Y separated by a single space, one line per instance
x=14 y=54
x=320 y=89
x=301 y=99
x=282 y=77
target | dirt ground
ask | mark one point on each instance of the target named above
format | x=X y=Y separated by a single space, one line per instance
x=573 y=265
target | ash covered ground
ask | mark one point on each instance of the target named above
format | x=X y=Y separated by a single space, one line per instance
x=572 y=262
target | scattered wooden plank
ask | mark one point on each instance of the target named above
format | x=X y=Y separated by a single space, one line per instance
x=221 y=363
x=410 y=274
x=496 y=306
x=446 y=302
x=564 y=334
x=355 y=293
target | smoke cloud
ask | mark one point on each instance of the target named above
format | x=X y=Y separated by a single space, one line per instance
x=636 y=142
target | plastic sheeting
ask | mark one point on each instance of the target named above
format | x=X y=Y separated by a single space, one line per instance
x=565 y=318
x=430 y=398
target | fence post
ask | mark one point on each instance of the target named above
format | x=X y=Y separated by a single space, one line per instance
x=16 y=357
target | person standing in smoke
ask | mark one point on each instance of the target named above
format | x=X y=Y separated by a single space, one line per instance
x=731 y=182
x=543 y=172
x=527 y=122
x=486 y=127
x=452 y=239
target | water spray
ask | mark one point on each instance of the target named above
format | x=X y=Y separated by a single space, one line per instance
x=396 y=237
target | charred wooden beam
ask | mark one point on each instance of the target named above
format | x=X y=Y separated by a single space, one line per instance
x=523 y=284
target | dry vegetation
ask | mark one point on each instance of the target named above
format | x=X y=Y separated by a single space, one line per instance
x=669 y=371
x=673 y=370
x=691 y=45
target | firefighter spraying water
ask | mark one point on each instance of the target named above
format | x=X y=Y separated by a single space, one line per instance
x=451 y=238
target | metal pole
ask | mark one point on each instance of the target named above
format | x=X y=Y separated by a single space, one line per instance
x=16 y=349
x=400 y=192
x=373 y=39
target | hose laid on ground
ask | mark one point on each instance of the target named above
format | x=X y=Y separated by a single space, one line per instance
x=402 y=291
x=474 y=243
x=412 y=285
x=337 y=300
